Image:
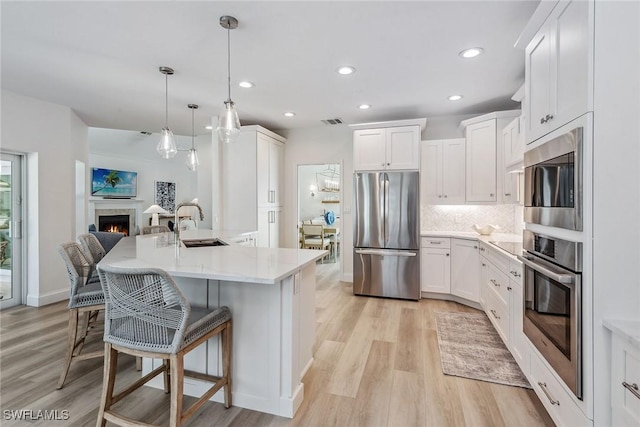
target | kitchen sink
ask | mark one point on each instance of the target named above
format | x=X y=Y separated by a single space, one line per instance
x=204 y=242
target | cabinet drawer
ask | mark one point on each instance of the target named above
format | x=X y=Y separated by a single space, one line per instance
x=498 y=313
x=557 y=401
x=625 y=368
x=436 y=242
x=515 y=271
x=499 y=282
x=493 y=254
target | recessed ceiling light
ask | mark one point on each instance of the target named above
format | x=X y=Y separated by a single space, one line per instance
x=455 y=97
x=471 y=52
x=289 y=114
x=208 y=127
x=364 y=106
x=346 y=70
x=246 y=84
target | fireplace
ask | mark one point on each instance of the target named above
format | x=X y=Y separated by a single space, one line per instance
x=114 y=223
x=116 y=220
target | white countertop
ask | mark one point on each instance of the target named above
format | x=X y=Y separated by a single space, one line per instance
x=628 y=330
x=231 y=263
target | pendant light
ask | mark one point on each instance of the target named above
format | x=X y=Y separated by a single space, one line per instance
x=228 y=122
x=167 y=145
x=192 y=157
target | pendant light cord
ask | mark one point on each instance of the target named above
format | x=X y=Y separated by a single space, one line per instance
x=166 y=100
x=193 y=137
x=229 y=60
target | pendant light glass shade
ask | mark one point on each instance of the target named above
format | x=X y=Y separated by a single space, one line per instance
x=167 y=145
x=192 y=160
x=228 y=122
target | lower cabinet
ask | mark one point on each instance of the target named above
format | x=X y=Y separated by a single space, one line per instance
x=625 y=382
x=435 y=263
x=465 y=269
x=556 y=400
x=519 y=345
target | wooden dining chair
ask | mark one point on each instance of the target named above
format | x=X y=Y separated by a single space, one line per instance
x=313 y=237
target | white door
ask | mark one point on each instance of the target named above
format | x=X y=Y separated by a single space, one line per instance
x=403 y=147
x=465 y=271
x=431 y=172
x=11 y=230
x=481 y=162
x=436 y=270
x=453 y=170
x=369 y=149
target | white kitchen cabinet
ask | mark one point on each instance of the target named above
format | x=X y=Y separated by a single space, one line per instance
x=435 y=260
x=269 y=227
x=253 y=176
x=389 y=148
x=270 y=153
x=517 y=339
x=465 y=269
x=481 y=162
x=625 y=372
x=442 y=171
x=557 y=76
x=512 y=154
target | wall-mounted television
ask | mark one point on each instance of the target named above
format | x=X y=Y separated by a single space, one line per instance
x=113 y=183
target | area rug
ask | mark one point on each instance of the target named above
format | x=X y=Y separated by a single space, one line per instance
x=470 y=347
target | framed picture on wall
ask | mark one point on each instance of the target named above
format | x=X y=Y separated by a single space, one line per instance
x=166 y=195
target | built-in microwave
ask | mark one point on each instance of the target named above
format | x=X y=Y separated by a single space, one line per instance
x=553 y=182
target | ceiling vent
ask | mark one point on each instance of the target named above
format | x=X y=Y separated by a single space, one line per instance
x=332 y=121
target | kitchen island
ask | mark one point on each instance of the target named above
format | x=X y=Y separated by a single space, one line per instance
x=271 y=294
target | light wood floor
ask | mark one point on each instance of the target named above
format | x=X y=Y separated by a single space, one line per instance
x=377 y=363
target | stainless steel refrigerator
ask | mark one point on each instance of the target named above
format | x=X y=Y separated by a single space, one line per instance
x=386 y=234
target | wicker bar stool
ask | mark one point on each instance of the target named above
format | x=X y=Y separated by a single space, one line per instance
x=146 y=315
x=85 y=297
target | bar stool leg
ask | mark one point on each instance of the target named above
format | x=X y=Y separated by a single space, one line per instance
x=108 y=382
x=227 y=335
x=176 y=362
x=71 y=343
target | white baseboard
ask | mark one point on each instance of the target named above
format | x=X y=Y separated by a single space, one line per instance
x=48 y=298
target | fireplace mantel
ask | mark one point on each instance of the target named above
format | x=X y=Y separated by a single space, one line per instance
x=115 y=200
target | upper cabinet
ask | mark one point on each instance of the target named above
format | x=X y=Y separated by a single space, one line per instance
x=269 y=163
x=442 y=171
x=484 y=155
x=557 y=72
x=387 y=145
x=512 y=154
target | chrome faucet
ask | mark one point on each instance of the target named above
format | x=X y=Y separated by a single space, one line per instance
x=176 y=226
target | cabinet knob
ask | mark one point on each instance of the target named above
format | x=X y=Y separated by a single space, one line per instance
x=548 y=117
x=507 y=194
x=508 y=288
x=475 y=247
x=484 y=265
x=439 y=196
x=447 y=254
x=445 y=196
x=542 y=121
x=490 y=194
x=388 y=164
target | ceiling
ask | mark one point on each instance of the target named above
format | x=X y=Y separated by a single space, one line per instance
x=102 y=58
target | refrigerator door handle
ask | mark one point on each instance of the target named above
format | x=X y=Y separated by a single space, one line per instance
x=386 y=209
x=383 y=252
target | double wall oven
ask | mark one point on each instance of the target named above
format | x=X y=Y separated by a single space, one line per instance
x=553 y=198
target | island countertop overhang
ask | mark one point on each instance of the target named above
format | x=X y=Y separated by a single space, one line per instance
x=233 y=263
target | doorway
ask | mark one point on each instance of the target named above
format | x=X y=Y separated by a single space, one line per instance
x=11 y=226
x=319 y=203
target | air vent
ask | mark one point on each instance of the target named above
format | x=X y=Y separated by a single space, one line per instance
x=145 y=133
x=332 y=121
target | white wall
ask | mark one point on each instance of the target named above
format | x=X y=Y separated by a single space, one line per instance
x=324 y=144
x=53 y=139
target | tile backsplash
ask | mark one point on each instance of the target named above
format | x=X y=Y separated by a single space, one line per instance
x=462 y=217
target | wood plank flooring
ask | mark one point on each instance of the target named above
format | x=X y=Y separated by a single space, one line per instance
x=377 y=363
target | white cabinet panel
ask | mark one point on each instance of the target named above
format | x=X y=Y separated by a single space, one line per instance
x=436 y=270
x=557 y=79
x=442 y=171
x=481 y=161
x=393 y=148
x=519 y=347
x=269 y=227
x=465 y=269
x=625 y=368
x=512 y=153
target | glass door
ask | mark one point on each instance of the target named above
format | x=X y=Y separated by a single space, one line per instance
x=11 y=226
